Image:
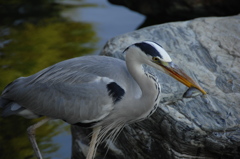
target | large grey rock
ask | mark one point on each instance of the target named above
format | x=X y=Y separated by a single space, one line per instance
x=208 y=49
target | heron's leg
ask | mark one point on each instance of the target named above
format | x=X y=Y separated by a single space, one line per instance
x=31 y=136
x=92 y=147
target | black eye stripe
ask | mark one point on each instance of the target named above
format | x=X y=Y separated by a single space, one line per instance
x=125 y=49
x=149 y=49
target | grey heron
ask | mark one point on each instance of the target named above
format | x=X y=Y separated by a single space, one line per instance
x=100 y=92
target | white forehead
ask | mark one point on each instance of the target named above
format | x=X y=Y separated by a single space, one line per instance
x=163 y=54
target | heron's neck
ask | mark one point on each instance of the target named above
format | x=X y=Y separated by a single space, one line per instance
x=146 y=82
x=147 y=103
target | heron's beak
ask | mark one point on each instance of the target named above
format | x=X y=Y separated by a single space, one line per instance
x=181 y=76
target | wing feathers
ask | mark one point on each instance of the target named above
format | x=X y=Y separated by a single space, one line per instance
x=84 y=102
x=115 y=91
x=74 y=90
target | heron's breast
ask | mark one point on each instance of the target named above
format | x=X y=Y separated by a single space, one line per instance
x=156 y=101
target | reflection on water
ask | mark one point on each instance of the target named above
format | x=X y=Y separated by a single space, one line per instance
x=33 y=35
x=30 y=43
x=108 y=20
x=33 y=47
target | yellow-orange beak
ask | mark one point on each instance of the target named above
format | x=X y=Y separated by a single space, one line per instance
x=181 y=76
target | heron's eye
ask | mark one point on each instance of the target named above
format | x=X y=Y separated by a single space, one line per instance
x=156 y=58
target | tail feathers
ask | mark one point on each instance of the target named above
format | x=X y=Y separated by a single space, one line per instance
x=9 y=107
x=12 y=108
x=4 y=102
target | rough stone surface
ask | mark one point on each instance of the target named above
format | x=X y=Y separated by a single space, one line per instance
x=208 y=127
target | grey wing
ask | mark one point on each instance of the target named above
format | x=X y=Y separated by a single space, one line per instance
x=72 y=93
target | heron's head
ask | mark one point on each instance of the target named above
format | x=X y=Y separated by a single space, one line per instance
x=153 y=54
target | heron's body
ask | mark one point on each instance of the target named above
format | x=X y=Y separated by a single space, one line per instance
x=76 y=92
x=94 y=90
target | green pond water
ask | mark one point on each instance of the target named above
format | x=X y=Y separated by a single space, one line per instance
x=33 y=36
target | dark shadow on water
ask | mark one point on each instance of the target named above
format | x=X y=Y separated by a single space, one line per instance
x=20 y=11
